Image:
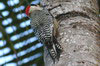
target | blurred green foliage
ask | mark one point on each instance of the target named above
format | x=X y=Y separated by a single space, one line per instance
x=29 y=52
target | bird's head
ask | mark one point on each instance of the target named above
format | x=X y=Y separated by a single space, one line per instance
x=31 y=8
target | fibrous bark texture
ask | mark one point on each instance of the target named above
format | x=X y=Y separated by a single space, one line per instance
x=79 y=32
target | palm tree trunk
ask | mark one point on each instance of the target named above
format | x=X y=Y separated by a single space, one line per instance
x=79 y=32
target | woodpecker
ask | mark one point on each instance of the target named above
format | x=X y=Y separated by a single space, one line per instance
x=45 y=27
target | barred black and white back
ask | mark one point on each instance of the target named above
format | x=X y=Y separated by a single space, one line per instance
x=43 y=25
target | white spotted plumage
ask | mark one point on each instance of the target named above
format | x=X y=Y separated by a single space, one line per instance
x=43 y=25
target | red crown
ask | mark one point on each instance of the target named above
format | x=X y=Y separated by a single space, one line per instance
x=27 y=10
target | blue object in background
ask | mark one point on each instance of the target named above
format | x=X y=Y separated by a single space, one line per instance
x=11 y=29
x=35 y=2
x=2 y=6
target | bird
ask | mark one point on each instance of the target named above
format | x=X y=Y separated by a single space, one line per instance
x=45 y=27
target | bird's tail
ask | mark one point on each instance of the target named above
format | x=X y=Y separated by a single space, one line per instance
x=55 y=49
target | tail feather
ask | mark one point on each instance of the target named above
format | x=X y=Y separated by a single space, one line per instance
x=54 y=49
x=58 y=47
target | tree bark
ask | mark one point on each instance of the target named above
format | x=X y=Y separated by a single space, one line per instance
x=79 y=32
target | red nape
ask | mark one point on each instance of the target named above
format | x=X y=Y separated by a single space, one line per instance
x=27 y=10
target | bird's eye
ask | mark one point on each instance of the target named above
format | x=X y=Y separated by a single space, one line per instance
x=33 y=5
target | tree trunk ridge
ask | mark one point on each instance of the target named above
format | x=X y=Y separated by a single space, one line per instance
x=79 y=32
